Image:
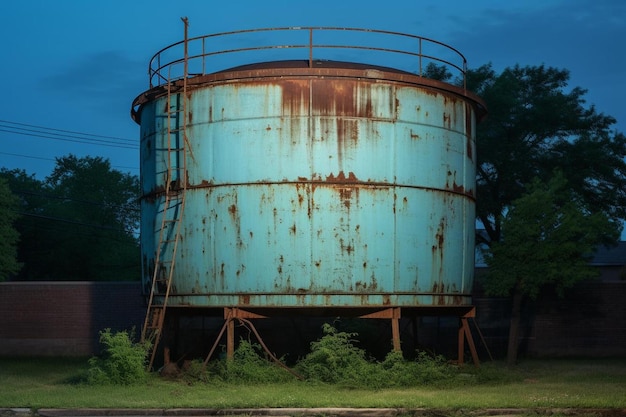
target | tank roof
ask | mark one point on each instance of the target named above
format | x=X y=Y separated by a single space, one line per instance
x=318 y=63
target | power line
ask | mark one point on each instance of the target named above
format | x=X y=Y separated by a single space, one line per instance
x=57 y=225
x=68 y=131
x=54 y=160
x=59 y=219
x=66 y=138
x=64 y=198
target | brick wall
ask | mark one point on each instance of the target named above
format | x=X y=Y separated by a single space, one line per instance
x=64 y=318
x=590 y=320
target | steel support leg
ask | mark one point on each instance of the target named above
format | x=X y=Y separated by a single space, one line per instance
x=466 y=334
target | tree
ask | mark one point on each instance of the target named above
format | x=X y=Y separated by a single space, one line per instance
x=534 y=126
x=8 y=235
x=80 y=223
x=549 y=235
x=32 y=224
x=98 y=242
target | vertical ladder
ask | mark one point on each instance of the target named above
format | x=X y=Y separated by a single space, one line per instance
x=172 y=210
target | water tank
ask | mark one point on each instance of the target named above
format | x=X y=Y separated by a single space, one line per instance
x=312 y=182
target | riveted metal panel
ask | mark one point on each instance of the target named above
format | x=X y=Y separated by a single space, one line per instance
x=318 y=191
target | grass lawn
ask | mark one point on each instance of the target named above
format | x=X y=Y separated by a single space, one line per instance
x=51 y=383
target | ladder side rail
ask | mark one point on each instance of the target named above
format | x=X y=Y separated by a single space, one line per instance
x=172 y=193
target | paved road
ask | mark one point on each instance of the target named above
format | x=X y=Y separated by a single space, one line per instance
x=308 y=412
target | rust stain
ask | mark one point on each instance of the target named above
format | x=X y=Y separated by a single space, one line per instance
x=346 y=248
x=341 y=178
x=457 y=300
x=439 y=237
x=458 y=188
x=429 y=92
x=244 y=299
x=292 y=229
x=346 y=195
x=414 y=135
x=295 y=97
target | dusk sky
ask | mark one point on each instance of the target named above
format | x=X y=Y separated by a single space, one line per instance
x=75 y=66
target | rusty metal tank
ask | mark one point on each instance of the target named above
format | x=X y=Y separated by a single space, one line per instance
x=313 y=182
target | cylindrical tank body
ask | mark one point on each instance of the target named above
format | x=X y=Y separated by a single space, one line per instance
x=333 y=186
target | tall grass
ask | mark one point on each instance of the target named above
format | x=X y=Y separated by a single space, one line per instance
x=56 y=383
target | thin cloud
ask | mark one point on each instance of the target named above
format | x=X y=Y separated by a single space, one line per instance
x=101 y=78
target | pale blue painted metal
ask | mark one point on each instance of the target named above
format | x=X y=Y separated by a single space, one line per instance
x=341 y=188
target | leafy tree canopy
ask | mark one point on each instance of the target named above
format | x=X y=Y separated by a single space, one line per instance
x=549 y=236
x=80 y=223
x=536 y=124
x=551 y=183
x=8 y=234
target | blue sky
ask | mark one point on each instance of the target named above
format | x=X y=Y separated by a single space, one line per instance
x=77 y=65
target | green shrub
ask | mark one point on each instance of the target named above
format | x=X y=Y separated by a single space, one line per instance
x=335 y=359
x=122 y=361
x=397 y=372
x=247 y=366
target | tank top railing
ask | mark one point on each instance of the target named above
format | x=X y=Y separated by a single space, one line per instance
x=207 y=53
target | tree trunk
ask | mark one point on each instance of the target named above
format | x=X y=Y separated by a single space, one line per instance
x=516 y=311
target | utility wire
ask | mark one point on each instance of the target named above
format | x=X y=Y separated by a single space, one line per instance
x=28 y=129
x=59 y=219
x=76 y=200
x=51 y=159
x=68 y=131
x=66 y=138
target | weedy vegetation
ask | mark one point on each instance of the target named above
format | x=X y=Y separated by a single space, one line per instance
x=335 y=373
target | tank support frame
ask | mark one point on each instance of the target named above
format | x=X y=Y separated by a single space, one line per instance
x=234 y=314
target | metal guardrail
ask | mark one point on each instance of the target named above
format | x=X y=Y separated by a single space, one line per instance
x=166 y=65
